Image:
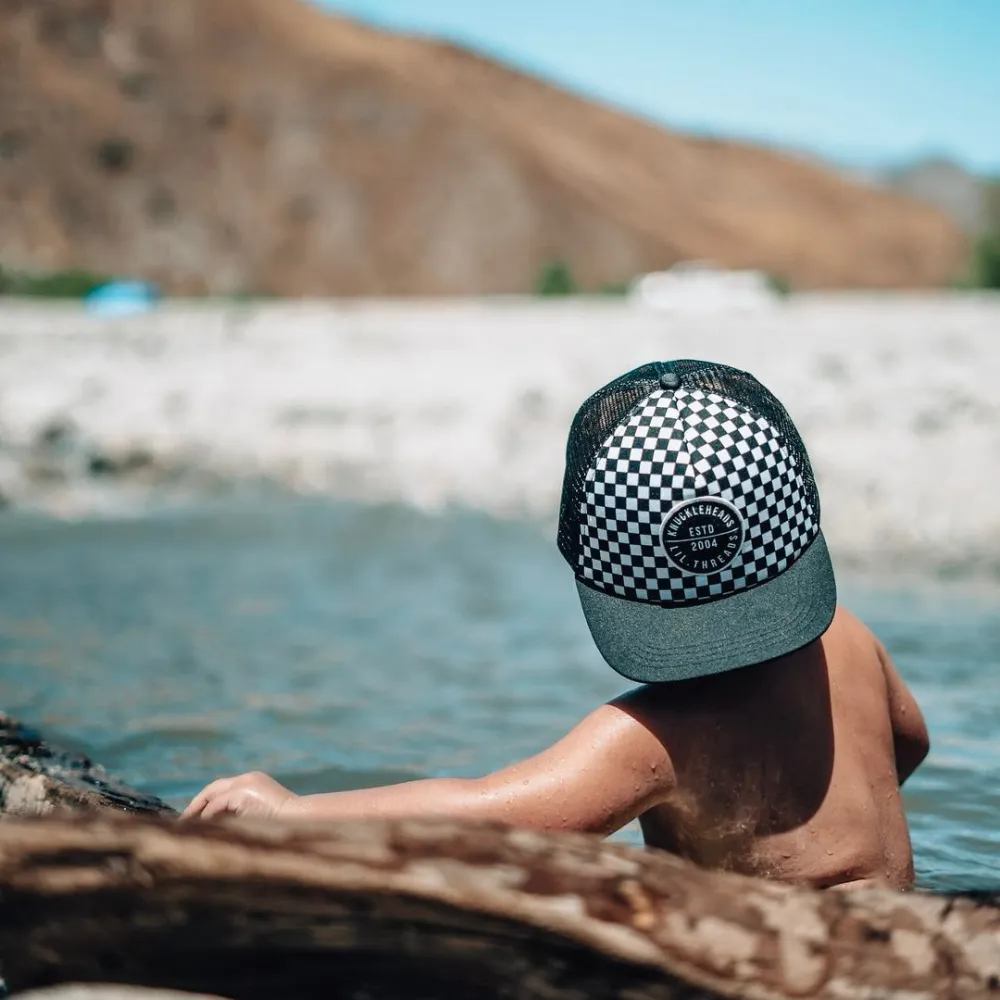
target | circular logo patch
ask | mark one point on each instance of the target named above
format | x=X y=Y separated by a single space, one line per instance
x=702 y=536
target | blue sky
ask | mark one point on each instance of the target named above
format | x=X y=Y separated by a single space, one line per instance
x=861 y=81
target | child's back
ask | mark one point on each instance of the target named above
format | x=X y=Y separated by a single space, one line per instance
x=790 y=769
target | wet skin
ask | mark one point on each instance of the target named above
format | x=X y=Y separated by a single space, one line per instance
x=789 y=769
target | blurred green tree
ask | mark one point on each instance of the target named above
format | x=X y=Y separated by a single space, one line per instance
x=992 y=200
x=556 y=278
x=778 y=284
x=57 y=285
x=984 y=270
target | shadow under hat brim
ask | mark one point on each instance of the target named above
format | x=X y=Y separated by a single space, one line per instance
x=651 y=643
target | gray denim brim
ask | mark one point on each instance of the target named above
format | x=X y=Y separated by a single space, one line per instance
x=650 y=643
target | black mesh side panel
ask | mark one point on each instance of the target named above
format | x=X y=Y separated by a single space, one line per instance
x=610 y=406
x=594 y=421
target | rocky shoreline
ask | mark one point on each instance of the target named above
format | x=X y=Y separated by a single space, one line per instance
x=37 y=778
x=468 y=403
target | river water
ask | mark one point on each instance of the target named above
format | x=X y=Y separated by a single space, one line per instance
x=337 y=645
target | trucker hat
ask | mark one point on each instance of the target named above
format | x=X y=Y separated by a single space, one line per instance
x=690 y=517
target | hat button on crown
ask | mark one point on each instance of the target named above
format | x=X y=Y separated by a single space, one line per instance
x=670 y=380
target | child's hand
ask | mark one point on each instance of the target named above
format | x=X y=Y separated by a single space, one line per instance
x=253 y=794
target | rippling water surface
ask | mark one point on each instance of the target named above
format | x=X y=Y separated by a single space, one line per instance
x=337 y=646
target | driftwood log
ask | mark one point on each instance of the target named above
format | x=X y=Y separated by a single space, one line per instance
x=421 y=910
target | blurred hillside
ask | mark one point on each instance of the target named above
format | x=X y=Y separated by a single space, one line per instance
x=972 y=202
x=229 y=146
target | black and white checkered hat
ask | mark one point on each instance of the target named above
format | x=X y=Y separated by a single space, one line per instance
x=690 y=517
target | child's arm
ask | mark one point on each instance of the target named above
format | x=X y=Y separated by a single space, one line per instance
x=600 y=776
x=909 y=731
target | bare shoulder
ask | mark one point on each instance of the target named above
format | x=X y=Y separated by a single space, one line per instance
x=609 y=769
x=859 y=633
x=851 y=625
x=614 y=741
x=909 y=728
x=855 y=631
x=850 y=635
x=643 y=728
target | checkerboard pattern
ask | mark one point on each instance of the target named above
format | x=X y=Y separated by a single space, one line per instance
x=683 y=445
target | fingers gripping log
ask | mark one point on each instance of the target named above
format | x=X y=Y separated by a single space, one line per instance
x=436 y=909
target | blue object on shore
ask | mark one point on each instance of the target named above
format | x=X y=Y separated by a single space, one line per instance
x=122 y=298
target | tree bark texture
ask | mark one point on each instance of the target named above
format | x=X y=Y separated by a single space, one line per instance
x=438 y=909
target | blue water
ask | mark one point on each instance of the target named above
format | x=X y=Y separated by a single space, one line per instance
x=337 y=646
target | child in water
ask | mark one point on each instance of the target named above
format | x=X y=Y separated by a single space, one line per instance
x=770 y=732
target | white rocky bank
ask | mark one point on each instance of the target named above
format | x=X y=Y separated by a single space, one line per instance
x=898 y=398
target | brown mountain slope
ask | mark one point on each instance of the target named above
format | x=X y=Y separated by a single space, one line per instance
x=228 y=145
